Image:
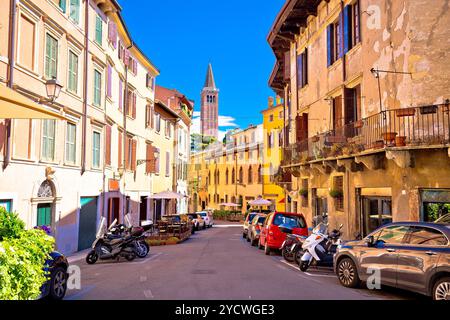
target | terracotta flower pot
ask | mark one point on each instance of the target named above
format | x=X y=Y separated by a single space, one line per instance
x=400 y=141
x=389 y=136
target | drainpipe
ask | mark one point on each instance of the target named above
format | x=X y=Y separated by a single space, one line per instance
x=85 y=87
x=10 y=82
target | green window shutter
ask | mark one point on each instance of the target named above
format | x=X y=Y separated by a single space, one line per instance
x=96 y=150
x=97 y=88
x=62 y=5
x=73 y=72
x=51 y=57
x=75 y=10
x=48 y=140
x=98 y=30
x=44 y=215
x=71 y=143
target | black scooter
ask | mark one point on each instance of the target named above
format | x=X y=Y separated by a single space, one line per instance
x=110 y=246
x=291 y=249
x=141 y=247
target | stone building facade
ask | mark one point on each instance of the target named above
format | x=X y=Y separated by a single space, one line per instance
x=365 y=84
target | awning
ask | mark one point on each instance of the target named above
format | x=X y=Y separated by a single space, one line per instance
x=260 y=202
x=13 y=105
x=167 y=195
x=282 y=201
x=229 y=204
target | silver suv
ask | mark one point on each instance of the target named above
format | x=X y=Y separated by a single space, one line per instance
x=408 y=255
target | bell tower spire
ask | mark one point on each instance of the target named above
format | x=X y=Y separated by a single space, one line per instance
x=210 y=106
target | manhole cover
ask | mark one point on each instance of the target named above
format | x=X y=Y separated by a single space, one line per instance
x=203 y=271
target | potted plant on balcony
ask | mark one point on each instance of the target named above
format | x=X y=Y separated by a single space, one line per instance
x=400 y=141
x=315 y=139
x=405 y=112
x=303 y=192
x=378 y=144
x=348 y=149
x=359 y=124
x=336 y=150
x=335 y=194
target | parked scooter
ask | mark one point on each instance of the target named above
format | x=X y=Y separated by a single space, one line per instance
x=141 y=246
x=291 y=249
x=320 y=247
x=108 y=246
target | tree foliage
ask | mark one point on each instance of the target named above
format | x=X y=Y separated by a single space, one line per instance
x=23 y=254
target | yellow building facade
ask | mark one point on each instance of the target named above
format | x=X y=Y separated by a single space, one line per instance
x=273 y=124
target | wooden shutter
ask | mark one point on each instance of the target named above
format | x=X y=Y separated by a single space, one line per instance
x=330 y=55
x=120 y=50
x=134 y=106
x=357 y=22
x=167 y=163
x=340 y=34
x=133 y=155
x=108 y=146
x=120 y=159
x=127 y=153
x=305 y=67
x=109 y=86
x=121 y=95
x=126 y=57
x=150 y=167
x=299 y=128
x=152 y=117
x=287 y=65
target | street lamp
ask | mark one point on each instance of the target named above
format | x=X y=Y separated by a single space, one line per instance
x=53 y=88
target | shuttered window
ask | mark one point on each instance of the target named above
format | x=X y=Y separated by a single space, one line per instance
x=96 y=142
x=97 y=88
x=109 y=86
x=71 y=136
x=131 y=105
x=73 y=72
x=157 y=160
x=63 y=5
x=120 y=153
x=339 y=186
x=51 y=57
x=302 y=69
x=133 y=155
x=167 y=163
x=150 y=165
x=108 y=146
x=112 y=34
x=75 y=11
x=48 y=140
x=98 y=30
x=121 y=95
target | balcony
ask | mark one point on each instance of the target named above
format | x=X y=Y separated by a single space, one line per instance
x=410 y=128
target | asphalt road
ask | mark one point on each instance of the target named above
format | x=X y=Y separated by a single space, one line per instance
x=214 y=264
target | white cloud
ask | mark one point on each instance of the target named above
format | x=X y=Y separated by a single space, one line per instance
x=225 y=122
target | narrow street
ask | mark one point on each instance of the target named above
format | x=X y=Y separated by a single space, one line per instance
x=213 y=264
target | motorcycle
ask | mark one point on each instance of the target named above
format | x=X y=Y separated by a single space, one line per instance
x=291 y=249
x=108 y=246
x=141 y=246
x=320 y=247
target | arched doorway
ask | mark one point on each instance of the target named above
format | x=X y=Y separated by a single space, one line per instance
x=46 y=197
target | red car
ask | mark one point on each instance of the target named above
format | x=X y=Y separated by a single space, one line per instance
x=271 y=238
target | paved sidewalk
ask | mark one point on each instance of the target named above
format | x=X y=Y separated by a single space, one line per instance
x=81 y=255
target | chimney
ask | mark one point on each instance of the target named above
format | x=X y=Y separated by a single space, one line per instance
x=270 y=102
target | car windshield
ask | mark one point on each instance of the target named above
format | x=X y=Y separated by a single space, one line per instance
x=261 y=219
x=203 y=214
x=291 y=221
x=251 y=216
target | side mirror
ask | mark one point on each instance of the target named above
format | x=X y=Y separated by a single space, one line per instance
x=370 y=240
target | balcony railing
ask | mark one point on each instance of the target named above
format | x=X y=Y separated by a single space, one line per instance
x=410 y=127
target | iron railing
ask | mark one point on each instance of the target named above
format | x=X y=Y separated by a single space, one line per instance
x=408 y=127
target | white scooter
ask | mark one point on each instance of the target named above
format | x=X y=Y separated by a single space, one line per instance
x=320 y=247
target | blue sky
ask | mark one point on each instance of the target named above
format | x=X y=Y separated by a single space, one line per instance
x=181 y=37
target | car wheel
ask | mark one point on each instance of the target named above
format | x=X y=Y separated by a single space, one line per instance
x=58 y=284
x=347 y=273
x=92 y=257
x=267 y=249
x=441 y=289
x=260 y=247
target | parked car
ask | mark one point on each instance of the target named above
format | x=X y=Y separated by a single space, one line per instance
x=410 y=256
x=208 y=217
x=254 y=228
x=56 y=286
x=199 y=222
x=247 y=221
x=271 y=237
